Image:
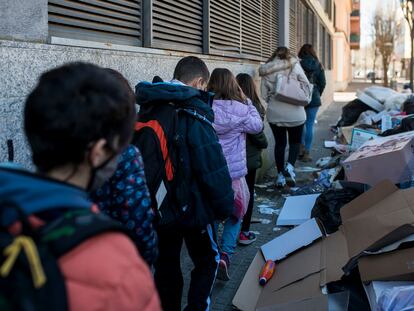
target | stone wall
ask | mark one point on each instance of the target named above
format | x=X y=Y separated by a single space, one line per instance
x=23 y=62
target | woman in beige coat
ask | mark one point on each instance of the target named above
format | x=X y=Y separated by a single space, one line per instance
x=285 y=119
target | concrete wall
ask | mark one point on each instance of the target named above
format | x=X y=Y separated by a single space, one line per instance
x=23 y=62
x=24 y=20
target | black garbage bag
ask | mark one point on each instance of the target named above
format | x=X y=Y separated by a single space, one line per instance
x=352 y=111
x=329 y=203
x=408 y=106
x=407 y=125
x=352 y=283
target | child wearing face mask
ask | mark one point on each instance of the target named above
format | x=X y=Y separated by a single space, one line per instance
x=77 y=120
x=125 y=196
x=234 y=117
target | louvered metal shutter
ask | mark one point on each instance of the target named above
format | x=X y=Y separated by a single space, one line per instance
x=292 y=27
x=251 y=26
x=178 y=25
x=225 y=25
x=109 y=21
x=270 y=27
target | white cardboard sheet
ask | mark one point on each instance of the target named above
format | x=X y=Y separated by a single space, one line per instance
x=296 y=210
x=292 y=240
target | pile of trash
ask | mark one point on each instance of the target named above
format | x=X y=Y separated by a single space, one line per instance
x=351 y=240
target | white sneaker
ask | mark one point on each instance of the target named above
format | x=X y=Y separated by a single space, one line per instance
x=281 y=181
x=290 y=174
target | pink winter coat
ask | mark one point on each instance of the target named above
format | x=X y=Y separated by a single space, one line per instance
x=232 y=121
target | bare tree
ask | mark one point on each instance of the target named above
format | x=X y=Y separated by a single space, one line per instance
x=385 y=34
x=408 y=10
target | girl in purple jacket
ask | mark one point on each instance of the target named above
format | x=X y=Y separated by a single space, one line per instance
x=234 y=117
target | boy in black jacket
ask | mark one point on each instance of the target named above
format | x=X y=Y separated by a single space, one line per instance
x=210 y=193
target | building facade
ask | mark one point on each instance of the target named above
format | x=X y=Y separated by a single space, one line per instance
x=143 y=38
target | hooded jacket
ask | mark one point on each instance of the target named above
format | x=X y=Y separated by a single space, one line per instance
x=281 y=113
x=316 y=75
x=233 y=120
x=205 y=169
x=103 y=273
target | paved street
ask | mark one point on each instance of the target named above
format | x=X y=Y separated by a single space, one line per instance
x=224 y=291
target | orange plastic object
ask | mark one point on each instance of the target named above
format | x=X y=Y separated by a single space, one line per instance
x=267 y=272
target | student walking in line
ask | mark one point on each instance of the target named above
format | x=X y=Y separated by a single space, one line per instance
x=255 y=143
x=316 y=75
x=285 y=119
x=77 y=120
x=125 y=197
x=234 y=117
x=187 y=177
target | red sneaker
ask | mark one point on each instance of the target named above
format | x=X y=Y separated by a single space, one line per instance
x=246 y=238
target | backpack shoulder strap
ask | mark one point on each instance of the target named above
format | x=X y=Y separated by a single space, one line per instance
x=75 y=227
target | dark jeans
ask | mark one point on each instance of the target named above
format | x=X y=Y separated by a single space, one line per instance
x=250 y=179
x=202 y=248
x=295 y=137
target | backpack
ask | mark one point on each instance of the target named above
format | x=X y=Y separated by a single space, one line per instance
x=30 y=277
x=163 y=150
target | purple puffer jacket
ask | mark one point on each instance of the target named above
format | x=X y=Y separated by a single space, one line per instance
x=232 y=121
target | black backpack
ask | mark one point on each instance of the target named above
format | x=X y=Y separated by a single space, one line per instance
x=30 y=278
x=164 y=152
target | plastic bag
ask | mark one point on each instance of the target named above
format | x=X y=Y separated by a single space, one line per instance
x=397 y=299
x=380 y=93
x=395 y=102
x=329 y=203
x=241 y=197
x=366 y=117
x=351 y=112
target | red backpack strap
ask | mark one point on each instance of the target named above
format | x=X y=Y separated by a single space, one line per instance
x=156 y=127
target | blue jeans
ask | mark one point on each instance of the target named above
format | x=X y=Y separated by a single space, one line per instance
x=307 y=136
x=230 y=234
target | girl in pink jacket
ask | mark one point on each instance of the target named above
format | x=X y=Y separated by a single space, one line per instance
x=234 y=117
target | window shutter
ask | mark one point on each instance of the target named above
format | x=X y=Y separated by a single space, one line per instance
x=225 y=22
x=109 y=21
x=251 y=25
x=178 y=25
x=292 y=27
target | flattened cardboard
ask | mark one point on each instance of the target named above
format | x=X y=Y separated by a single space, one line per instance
x=296 y=210
x=249 y=290
x=332 y=302
x=389 y=157
x=293 y=268
x=303 y=289
x=360 y=136
x=393 y=266
x=292 y=240
x=334 y=257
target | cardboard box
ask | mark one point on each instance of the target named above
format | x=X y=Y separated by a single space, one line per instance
x=296 y=210
x=295 y=282
x=292 y=240
x=379 y=221
x=383 y=158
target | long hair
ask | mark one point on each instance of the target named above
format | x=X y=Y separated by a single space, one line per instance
x=281 y=52
x=307 y=50
x=224 y=85
x=249 y=89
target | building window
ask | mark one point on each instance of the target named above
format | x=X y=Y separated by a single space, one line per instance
x=293 y=42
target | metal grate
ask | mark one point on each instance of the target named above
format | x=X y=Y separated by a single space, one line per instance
x=225 y=23
x=251 y=25
x=178 y=25
x=109 y=21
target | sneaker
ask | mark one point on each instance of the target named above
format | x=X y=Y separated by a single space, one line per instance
x=281 y=181
x=290 y=175
x=223 y=269
x=246 y=238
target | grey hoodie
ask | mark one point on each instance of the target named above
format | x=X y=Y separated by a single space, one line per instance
x=281 y=113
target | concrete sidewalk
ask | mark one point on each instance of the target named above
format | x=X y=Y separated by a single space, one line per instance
x=224 y=292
